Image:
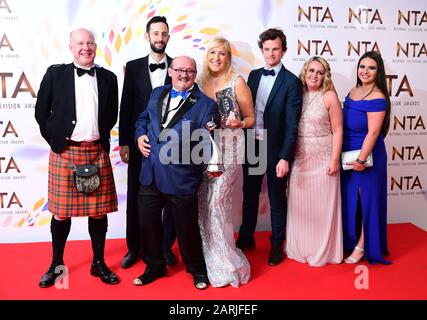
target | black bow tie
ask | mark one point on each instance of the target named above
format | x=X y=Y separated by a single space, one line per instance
x=266 y=72
x=81 y=71
x=155 y=66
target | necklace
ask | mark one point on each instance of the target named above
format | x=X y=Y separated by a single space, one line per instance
x=368 y=93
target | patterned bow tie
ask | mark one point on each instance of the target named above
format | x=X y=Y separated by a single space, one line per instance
x=81 y=71
x=266 y=72
x=155 y=66
x=183 y=94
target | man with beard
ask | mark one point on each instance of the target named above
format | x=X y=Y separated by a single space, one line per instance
x=141 y=77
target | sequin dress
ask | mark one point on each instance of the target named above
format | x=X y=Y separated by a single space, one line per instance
x=314 y=231
x=226 y=264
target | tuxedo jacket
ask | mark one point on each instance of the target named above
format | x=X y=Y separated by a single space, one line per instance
x=180 y=177
x=135 y=95
x=281 y=115
x=55 y=109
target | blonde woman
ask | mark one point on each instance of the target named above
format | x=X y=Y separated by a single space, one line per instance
x=314 y=231
x=226 y=264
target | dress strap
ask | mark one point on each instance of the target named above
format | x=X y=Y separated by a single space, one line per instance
x=233 y=80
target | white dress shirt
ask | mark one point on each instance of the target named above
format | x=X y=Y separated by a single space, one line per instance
x=264 y=88
x=174 y=105
x=157 y=77
x=86 y=95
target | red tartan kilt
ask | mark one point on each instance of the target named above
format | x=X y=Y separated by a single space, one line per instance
x=63 y=198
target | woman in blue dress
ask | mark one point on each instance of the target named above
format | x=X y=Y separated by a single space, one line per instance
x=364 y=189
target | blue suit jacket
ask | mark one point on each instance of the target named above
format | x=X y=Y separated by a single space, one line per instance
x=181 y=177
x=281 y=115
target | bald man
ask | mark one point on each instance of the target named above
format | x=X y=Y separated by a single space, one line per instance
x=77 y=106
x=180 y=108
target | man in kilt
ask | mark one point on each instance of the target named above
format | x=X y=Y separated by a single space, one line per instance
x=77 y=106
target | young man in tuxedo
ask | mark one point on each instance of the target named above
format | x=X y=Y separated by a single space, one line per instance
x=76 y=108
x=277 y=96
x=180 y=110
x=141 y=77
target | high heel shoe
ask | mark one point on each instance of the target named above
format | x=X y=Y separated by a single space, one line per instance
x=351 y=260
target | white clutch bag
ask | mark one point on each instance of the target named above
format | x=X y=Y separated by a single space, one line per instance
x=350 y=156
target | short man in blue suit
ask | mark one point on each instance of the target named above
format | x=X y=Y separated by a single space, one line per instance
x=277 y=96
x=172 y=115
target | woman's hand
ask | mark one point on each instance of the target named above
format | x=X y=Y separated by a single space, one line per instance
x=334 y=167
x=233 y=121
x=357 y=166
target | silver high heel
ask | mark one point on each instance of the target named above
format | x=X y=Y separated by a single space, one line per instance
x=351 y=260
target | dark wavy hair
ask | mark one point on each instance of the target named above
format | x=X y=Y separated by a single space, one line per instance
x=381 y=84
x=272 y=34
x=156 y=19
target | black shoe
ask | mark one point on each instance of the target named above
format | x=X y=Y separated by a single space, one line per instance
x=200 y=281
x=100 y=269
x=169 y=257
x=48 y=279
x=245 y=246
x=149 y=276
x=129 y=260
x=276 y=255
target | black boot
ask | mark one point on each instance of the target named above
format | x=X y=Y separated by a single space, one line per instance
x=60 y=231
x=97 y=231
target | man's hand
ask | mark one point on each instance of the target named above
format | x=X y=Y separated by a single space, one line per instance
x=144 y=146
x=124 y=153
x=282 y=168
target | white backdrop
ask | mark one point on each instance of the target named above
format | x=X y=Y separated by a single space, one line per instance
x=34 y=35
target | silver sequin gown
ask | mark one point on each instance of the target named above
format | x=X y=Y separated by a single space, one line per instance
x=226 y=264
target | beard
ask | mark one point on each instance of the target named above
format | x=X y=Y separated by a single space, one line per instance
x=158 y=50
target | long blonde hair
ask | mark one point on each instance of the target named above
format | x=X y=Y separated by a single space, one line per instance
x=206 y=74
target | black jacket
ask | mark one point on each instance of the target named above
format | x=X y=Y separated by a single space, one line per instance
x=55 y=109
x=136 y=93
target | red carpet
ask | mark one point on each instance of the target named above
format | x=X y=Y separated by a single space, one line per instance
x=23 y=264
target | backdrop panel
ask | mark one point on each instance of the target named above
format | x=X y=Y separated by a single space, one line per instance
x=34 y=35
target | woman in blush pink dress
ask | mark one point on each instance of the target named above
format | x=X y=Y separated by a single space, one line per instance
x=314 y=230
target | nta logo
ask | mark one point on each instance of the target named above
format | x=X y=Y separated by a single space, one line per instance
x=10 y=165
x=404 y=85
x=360 y=47
x=5 y=43
x=315 y=47
x=12 y=200
x=8 y=129
x=412 y=17
x=407 y=153
x=411 y=49
x=364 y=15
x=409 y=123
x=4 y=5
x=406 y=183
x=23 y=85
x=321 y=14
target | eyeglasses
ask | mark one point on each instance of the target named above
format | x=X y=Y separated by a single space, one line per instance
x=190 y=72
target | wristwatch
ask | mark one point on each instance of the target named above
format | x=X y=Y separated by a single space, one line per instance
x=360 y=161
